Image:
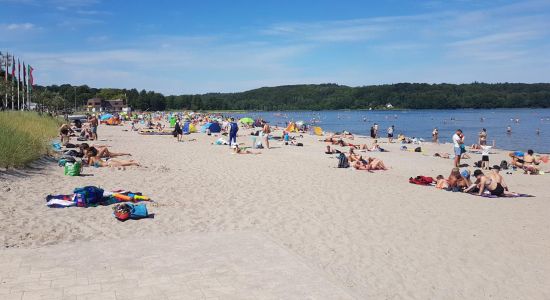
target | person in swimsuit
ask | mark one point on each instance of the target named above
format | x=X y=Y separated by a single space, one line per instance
x=266 y=131
x=483 y=137
x=370 y=164
x=64 y=132
x=239 y=150
x=489 y=184
x=530 y=163
x=441 y=182
x=97 y=162
x=495 y=175
x=99 y=151
x=517 y=159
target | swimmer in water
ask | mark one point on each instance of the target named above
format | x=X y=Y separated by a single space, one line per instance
x=538 y=131
x=509 y=129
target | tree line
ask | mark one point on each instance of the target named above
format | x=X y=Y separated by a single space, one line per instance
x=314 y=97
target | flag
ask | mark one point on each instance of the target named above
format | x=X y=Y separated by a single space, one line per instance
x=31 y=79
x=13 y=69
x=18 y=70
x=24 y=75
x=6 y=72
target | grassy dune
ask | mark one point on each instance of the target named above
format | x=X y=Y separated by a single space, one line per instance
x=24 y=137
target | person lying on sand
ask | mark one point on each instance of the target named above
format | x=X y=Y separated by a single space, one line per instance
x=352 y=157
x=99 y=151
x=444 y=155
x=370 y=164
x=441 y=182
x=97 y=162
x=239 y=150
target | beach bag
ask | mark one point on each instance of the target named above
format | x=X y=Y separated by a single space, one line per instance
x=299 y=144
x=65 y=159
x=88 y=196
x=343 y=161
x=504 y=165
x=73 y=168
x=417 y=149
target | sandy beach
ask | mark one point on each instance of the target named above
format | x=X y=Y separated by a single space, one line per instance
x=374 y=235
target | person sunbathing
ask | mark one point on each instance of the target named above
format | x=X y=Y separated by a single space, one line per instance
x=97 y=162
x=456 y=181
x=442 y=155
x=495 y=175
x=530 y=163
x=352 y=157
x=370 y=164
x=99 y=151
x=239 y=150
x=491 y=185
x=517 y=159
x=441 y=182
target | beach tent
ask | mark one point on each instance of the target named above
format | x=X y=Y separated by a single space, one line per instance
x=173 y=121
x=186 y=127
x=105 y=117
x=317 y=130
x=291 y=127
x=214 y=127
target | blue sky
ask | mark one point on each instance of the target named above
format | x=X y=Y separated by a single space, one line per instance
x=179 y=47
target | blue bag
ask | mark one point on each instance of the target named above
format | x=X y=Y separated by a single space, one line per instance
x=88 y=196
x=138 y=211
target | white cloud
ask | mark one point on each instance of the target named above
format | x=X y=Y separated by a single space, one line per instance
x=19 y=26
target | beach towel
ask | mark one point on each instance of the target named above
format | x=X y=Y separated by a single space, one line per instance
x=421 y=180
x=507 y=196
x=60 y=201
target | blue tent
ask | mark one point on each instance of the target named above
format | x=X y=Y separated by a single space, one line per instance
x=214 y=127
x=186 y=127
x=105 y=117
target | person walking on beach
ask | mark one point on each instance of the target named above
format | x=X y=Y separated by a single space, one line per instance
x=372 y=134
x=94 y=122
x=483 y=137
x=233 y=129
x=390 y=133
x=435 y=136
x=458 y=142
x=375 y=130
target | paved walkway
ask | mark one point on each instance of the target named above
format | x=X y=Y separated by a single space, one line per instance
x=243 y=265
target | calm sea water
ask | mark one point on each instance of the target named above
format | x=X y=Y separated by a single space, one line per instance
x=420 y=123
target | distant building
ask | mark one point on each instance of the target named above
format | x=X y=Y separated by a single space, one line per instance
x=97 y=104
x=389 y=105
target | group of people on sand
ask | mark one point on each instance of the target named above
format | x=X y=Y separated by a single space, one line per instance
x=527 y=162
x=459 y=181
x=100 y=156
x=356 y=160
x=85 y=131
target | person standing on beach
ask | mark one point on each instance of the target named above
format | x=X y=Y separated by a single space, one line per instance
x=375 y=130
x=266 y=130
x=390 y=133
x=233 y=129
x=435 y=136
x=458 y=141
x=483 y=137
x=372 y=134
x=94 y=122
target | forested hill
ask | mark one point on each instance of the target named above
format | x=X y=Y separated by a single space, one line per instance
x=322 y=96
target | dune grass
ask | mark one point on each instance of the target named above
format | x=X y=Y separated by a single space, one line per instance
x=25 y=137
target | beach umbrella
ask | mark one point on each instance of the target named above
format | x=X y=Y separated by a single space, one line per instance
x=248 y=121
x=105 y=117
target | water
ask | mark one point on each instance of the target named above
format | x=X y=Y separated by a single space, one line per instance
x=420 y=123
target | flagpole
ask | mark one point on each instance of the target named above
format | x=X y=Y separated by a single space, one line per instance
x=18 y=78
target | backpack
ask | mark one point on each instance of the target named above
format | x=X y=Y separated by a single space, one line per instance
x=73 y=168
x=504 y=165
x=88 y=196
x=343 y=161
x=417 y=149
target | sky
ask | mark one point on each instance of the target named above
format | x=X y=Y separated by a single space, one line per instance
x=188 y=47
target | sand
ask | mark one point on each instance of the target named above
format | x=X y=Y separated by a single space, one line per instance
x=374 y=234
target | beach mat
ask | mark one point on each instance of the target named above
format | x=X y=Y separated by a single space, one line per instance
x=508 y=196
